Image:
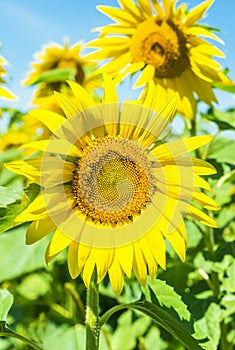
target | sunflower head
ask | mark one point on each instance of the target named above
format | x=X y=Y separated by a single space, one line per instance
x=56 y=58
x=113 y=188
x=164 y=43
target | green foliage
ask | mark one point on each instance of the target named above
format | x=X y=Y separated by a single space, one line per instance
x=55 y=75
x=162 y=318
x=164 y=295
x=12 y=204
x=6 y=301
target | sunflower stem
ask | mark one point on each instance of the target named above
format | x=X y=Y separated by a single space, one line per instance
x=92 y=314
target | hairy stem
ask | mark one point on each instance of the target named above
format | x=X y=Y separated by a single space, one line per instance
x=92 y=314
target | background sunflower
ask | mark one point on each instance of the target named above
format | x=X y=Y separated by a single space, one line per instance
x=164 y=43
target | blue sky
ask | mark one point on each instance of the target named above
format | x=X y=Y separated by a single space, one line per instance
x=27 y=25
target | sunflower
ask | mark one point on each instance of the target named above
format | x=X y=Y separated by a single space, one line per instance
x=56 y=57
x=4 y=93
x=113 y=189
x=163 y=43
x=13 y=138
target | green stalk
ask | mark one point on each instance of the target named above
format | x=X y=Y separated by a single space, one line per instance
x=92 y=314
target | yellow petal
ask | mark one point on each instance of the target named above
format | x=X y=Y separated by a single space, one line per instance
x=145 y=8
x=114 y=29
x=131 y=7
x=200 y=167
x=186 y=102
x=202 y=88
x=197 y=12
x=73 y=259
x=83 y=255
x=116 y=277
x=175 y=174
x=117 y=64
x=58 y=242
x=168 y=6
x=201 y=31
x=66 y=104
x=35 y=211
x=159 y=122
x=127 y=126
x=29 y=168
x=158 y=8
x=38 y=229
x=87 y=271
x=146 y=75
x=5 y=93
x=51 y=120
x=205 y=201
x=157 y=246
x=110 y=93
x=56 y=171
x=111 y=111
x=130 y=69
x=180 y=147
x=111 y=41
x=201 y=217
x=139 y=264
x=57 y=146
x=148 y=96
x=200 y=182
x=124 y=255
x=170 y=210
x=203 y=59
x=117 y=14
x=82 y=95
x=149 y=257
x=103 y=259
x=177 y=242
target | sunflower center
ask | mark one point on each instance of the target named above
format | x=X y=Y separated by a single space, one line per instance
x=162 y=44
x=113 y=182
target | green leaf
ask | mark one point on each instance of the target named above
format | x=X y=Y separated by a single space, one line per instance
x=65 y=338
x=128 y=331
x=223 y=150
x=177 y=275
x=8 y=196
x=14 y=208
x=6 y=301
x=152 y=338
x=34 y=286
x=56 y=75
x=165 y=320
x=226 y=215
x=224 y=120
x=224 y=87
x=166 y=296
x=210 y=323
x=10 y=154
x=18 y=258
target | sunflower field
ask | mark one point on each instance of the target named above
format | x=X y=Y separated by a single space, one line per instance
x=117 y=187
